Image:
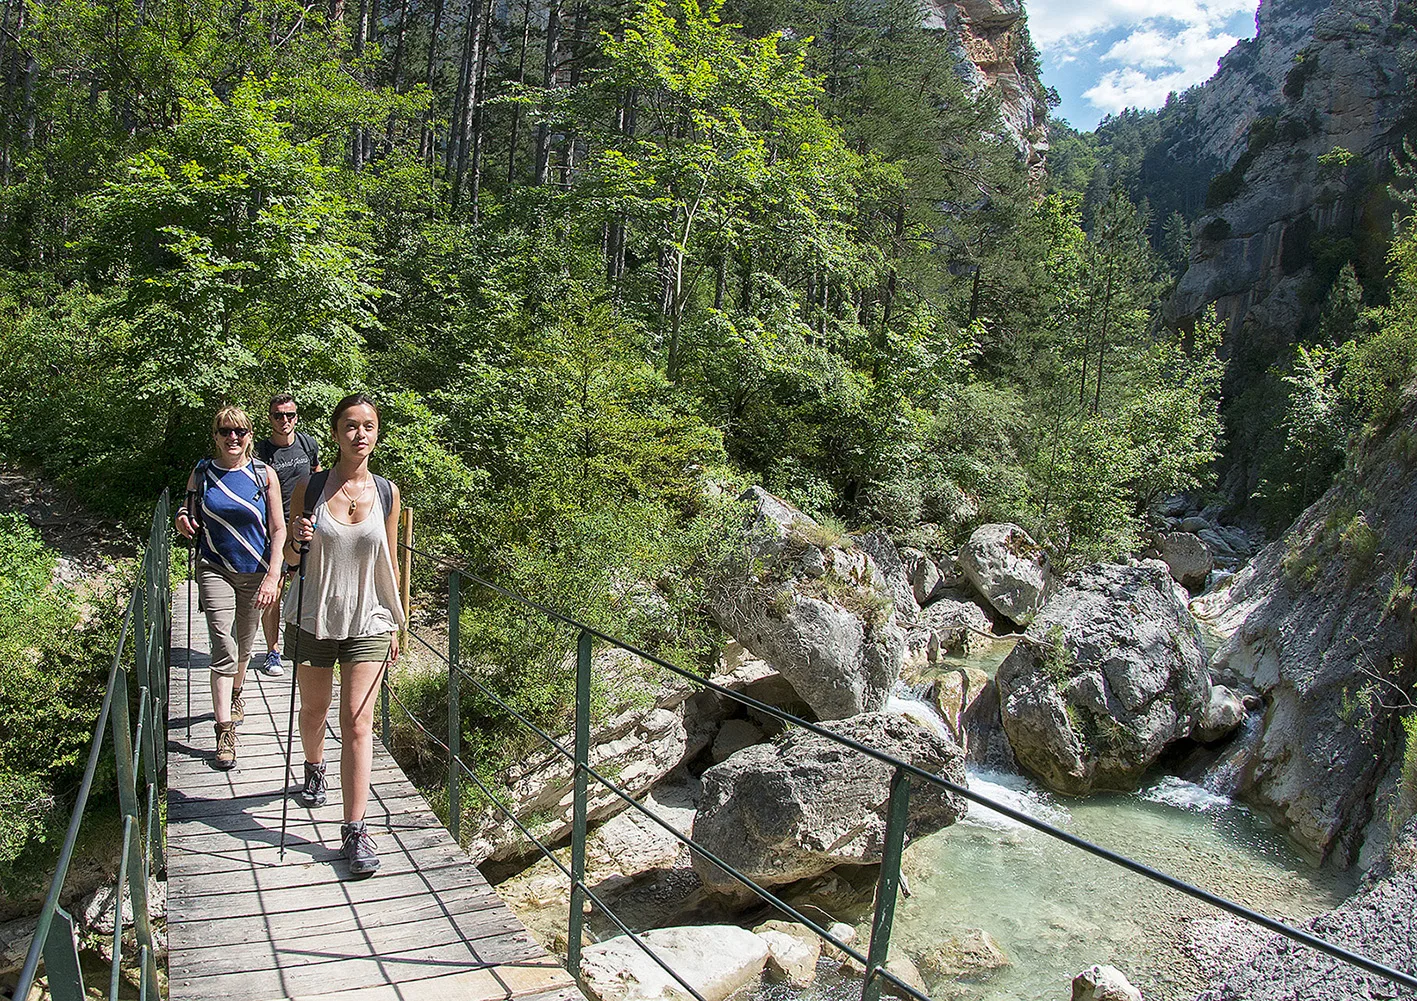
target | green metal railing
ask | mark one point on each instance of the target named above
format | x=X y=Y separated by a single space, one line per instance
x=874 y=960
x=139 y=748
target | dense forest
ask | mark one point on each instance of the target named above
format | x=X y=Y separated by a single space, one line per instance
x=594 y=258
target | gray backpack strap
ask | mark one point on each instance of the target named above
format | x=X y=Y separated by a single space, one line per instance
x=314 y=487
x=386 y=493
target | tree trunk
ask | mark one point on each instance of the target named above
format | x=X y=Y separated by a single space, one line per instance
x=425 y=143
x=676 y=316
x=397 y=71
x=1102 y=349
x=521 y=78
x=460 y=142
x=889 y=299
x=543 y=134
x=477 y=120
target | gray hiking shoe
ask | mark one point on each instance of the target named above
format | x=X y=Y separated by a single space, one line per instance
x=313 y=792
x=357 y=847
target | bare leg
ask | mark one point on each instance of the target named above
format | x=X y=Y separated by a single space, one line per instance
x=359 y=689
x=222 y=684
x=270 y=625
x=316 y=689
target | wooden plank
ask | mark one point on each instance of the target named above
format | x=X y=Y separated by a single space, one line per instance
x=324 y=974
x=503 y=984
x=182 y=808
x=488 y=935
x=278 y=927
x=216 y=853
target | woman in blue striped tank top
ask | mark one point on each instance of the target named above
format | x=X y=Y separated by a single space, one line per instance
x=234 y=511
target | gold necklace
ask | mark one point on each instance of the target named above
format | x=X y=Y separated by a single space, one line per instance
x=354 y=501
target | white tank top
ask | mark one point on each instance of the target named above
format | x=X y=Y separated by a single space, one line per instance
x=350 y=585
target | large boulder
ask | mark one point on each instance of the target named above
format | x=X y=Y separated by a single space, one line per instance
x=1103 y=983
x=1188 y=557
x=793 y=951
x=1108 y=674
x=1375 y=922
x=1318 y=624
x=927 y=580
x=796 y=807
x=1008 y=568
x=652 y=724
x=955 y=626
x=716 y=960
x=894 y=571
x=815 y=607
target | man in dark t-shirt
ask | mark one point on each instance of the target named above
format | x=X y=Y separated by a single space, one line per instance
x=294 y=456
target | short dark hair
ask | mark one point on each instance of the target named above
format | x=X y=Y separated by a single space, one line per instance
x=280 y=398
x=352 y=400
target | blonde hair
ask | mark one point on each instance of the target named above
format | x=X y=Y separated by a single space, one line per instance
x=234 y=416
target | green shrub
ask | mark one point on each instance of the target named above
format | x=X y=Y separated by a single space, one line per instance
x=53 y=667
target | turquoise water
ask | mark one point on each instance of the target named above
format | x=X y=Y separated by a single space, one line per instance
x=1056 y=910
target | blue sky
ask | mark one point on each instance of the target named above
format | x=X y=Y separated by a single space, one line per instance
x=1106 y=55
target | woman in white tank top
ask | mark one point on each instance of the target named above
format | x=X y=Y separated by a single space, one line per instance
x=350 y=613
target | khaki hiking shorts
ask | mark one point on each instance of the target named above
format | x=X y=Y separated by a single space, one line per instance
x=229 y=600
x=325 y=653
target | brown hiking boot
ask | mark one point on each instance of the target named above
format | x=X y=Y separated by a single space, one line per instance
x=238 y=706
x=225 y=745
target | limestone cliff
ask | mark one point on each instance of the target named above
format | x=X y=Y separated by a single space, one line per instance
x=1318 y=76
x=1321 y=627
x=990 y=41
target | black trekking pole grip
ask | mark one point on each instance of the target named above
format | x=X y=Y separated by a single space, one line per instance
x=304 y=550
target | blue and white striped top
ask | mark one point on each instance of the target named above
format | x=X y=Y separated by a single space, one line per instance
x=234 y=517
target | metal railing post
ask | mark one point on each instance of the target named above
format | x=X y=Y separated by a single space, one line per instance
x=576 y=923
x=897 y=815
x=454 y=706
x=384 y=710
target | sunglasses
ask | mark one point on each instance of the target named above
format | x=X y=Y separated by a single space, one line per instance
x=281 y=415
x=238 y=432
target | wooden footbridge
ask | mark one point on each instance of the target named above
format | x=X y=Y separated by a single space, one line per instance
x=243 y=924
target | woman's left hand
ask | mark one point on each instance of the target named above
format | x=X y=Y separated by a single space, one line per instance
x=394 y=648
x=269 y=592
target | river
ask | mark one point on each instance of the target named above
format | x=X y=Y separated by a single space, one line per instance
x=1056 y=910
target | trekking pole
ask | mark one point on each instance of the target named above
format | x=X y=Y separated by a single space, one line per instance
x=187 y=588
x=304 y=550
x=191 y=583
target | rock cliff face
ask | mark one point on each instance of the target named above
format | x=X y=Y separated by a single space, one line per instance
x=1316 y=77
x=990 y=40
x=1321 y=627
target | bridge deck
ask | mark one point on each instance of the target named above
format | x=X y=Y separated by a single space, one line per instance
x=244 y=925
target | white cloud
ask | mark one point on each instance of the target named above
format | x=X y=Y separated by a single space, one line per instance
x=1063 y=24
x=1193 y=50
x=1157 y=52
x=1129 y=88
